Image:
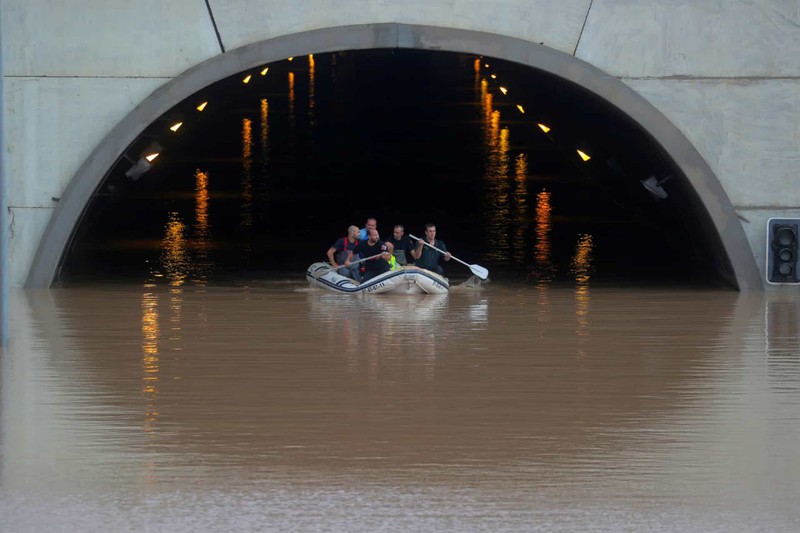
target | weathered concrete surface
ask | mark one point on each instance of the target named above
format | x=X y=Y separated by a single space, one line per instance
x=697 y=38
x=105 y=38
x=61 y=120
x=747 y=130
x=725 y=72
x=555 y=23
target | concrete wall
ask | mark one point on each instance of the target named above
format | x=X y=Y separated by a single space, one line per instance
x=726 y=73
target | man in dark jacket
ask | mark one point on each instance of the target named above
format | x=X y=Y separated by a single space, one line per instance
x=426 y=257
x=371 y=247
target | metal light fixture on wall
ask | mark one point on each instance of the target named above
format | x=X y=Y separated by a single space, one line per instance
x=144 y=163
x=654 y=186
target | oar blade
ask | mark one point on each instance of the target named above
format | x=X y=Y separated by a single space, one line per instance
x=479 y=271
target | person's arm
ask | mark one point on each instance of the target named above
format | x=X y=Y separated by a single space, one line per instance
x=331 y=260
x=386 y=252
x=349 y=257
x=443 y=247
x=416 y=253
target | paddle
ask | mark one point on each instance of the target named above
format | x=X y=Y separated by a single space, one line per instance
x=476 y=269
x=356 y=262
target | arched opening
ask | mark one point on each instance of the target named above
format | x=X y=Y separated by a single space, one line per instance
x=491 y=214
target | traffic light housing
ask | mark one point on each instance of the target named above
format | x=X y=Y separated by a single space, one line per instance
x=783 y=235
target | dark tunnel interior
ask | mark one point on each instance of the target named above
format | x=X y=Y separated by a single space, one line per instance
x=259 y=183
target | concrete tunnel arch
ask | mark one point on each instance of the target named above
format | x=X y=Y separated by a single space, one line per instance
x=721 y=214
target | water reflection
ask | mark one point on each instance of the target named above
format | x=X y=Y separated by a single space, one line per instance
x=202 y=234
x=291 y=98
x=150 y=360
x=175 y=262
x=183 y=257
x=782 y=342
x=680 y=397
x=382 y=329
x=543 y=267
x=264 y=115
x=520 y=208
x=311 y=88
x=246 y=213
x=581 y=267
x=497 y=188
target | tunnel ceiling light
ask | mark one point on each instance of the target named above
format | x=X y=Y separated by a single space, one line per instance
x=544 y=127
x=143 y=164
x=247 y=79
x=503 y=90
x=521 y=109
x=202 y=106
x=493 y=76
x=264 y=72
x=175 y=127
x=584 y=155
x=486 y=65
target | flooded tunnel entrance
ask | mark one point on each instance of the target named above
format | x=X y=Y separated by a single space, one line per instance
x=521 y=171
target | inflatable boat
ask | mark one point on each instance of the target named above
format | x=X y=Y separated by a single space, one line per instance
x=404 y=280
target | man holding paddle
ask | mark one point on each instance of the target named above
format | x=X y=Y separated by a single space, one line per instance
x=427 y=257
x=377 y=255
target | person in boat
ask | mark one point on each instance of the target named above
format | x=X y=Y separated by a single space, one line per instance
x=338 y=252
x=372 y=246
x=426 y=257
x=371 y=223
x=401 y=245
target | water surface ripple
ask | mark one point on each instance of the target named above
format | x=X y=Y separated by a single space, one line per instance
x=506 y=408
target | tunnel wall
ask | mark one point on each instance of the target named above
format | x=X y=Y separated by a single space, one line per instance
x=80 y=84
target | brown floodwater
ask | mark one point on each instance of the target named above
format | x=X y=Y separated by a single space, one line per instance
x=501 y=408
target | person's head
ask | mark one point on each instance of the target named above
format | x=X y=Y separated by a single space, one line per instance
x=352 y=232
x=430 y=231
x=397 y=232
x=372 y=236
x=371 y=223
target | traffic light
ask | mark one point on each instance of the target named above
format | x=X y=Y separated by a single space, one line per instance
x=782 y=247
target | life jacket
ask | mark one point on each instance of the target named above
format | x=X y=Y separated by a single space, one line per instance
x=341 y=257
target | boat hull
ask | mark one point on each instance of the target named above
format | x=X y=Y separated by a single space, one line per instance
x=405 y=280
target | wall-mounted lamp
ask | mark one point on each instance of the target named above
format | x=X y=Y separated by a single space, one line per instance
x=654 y=186
x=144 y=163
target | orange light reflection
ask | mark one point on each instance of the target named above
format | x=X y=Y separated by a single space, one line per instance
x=581 y=267
x=150 y=359
x=201 y=227
x=311 y=86
x=246 y=214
